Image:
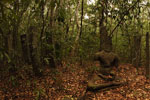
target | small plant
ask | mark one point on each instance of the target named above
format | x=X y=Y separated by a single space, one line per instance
x=55 y=72
x=13 y=81
x=39 y=92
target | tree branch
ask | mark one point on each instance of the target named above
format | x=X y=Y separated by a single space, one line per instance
x=123 y=17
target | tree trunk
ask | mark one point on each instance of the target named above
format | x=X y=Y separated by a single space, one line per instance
x=105 y=38
x=82 y=8
x=42 y=29
x=137 y=51
x=34 y=52
x=25 y=54
x=50 y=51
x=147 y=68
x=78 y=30
x=16 y=43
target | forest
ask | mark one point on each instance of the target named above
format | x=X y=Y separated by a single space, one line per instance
x=74 y=50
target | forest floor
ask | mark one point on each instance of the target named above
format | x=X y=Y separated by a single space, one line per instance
x=69 y=83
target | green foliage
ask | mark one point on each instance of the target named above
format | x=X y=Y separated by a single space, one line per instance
x=61 y=15
x=4 y=55
x=8 y=58
x=7 y=1
x=39 y=92
x=57 y=29
x=46 y=60
x=13 y=80
x=55 y=72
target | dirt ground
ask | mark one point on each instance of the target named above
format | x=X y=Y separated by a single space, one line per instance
x=70 y=82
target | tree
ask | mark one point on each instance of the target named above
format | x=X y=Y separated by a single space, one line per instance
x=147 y=56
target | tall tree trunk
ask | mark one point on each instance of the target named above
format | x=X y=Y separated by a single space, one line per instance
x=147 y=68
x=116 y=41
x=137 y=51
x=82 y=12
x=105 y=38
x=42 y=30
x=16 y=38
x=34 y=50
x=78 y=29
x=50 y=51
x=25 y=53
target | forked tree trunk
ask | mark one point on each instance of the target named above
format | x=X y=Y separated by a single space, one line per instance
x=147 y=68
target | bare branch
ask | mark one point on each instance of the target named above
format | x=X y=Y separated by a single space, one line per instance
x=123 y=17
